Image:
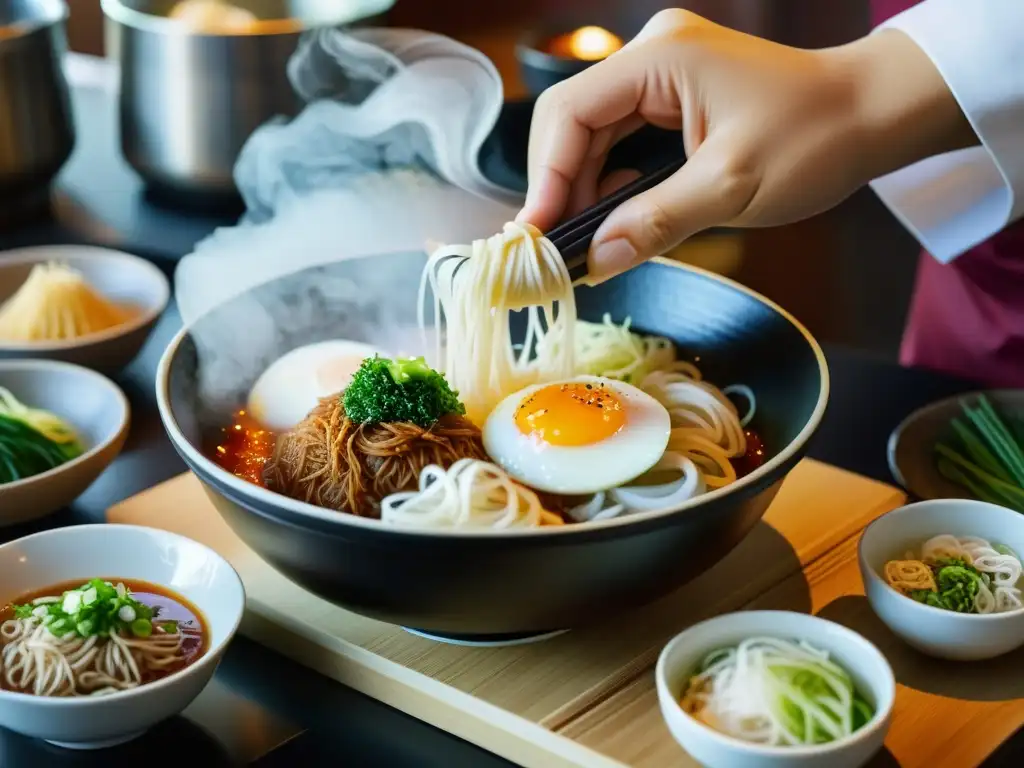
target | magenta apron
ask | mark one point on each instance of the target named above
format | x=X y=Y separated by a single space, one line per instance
x=967 y=318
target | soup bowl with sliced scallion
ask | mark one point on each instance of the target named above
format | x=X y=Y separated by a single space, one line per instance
x=106 y=630
x=775 y=689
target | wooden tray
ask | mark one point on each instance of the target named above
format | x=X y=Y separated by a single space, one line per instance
x=586 y=698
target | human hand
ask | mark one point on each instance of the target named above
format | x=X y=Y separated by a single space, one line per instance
x=772 y=134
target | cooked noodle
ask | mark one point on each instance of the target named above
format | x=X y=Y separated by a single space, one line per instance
x=614 y=352
x=56 y=303
x=707 y=432
x=469 y=494
x=997 y=587
x=330 y=461
x=908 y=575
x=36 y=661
x=475 y=287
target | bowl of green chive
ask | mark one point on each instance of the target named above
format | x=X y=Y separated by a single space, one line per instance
x=966 y=447
x=61 y=426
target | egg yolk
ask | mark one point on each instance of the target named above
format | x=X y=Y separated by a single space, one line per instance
x=571 y=414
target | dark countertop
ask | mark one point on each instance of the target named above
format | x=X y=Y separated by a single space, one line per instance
x=261 y=708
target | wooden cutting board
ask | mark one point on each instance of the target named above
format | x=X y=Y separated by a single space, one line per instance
x=583 y=699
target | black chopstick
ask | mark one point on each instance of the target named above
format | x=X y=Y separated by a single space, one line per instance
x=572 y=237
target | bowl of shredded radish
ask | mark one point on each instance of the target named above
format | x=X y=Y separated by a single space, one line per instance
x=78 y=304
x=760 y=689
x=946 y=576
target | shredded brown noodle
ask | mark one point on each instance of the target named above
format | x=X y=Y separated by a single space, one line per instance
x=330 y=461
x=909 y=575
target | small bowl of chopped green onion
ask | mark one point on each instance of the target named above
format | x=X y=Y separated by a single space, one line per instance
x=61 y=426
x=946 y=576
x=775 y=689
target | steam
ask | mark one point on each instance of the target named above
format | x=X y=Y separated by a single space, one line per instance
x=370 y=299
x=333 y=264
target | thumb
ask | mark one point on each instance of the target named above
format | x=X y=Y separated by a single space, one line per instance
x=707 y=191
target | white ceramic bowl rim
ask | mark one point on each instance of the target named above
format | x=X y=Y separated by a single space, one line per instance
x=815 y=750
x=208 y=658
x=37 y=255
x=99 y=378
x=916 y=506
x=244 y=488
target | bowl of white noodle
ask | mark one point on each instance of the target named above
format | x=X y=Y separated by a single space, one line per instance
x=775 y=689
x=933 y=543
x=469 y=548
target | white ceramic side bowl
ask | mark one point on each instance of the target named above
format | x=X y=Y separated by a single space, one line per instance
x=871 y=674
x=936 y=632
x=92 y=404
x=118 y=276
x=131 y=552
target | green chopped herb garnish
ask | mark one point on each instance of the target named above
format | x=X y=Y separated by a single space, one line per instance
x=402 y=390
x=95 y=608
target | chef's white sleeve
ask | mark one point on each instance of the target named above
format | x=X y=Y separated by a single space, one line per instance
x=955 y=201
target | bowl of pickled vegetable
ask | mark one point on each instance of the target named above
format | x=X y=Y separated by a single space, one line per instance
x=61 y=425
x=946 y=576
x=774 y=689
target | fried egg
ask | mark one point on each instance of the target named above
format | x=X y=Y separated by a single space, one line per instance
x=579 y=436
x=294 y=383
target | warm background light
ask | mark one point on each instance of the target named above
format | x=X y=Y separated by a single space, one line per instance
x=586 y=44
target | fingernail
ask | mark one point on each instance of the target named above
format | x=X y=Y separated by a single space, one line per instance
x=612 y=257
x=533 y=193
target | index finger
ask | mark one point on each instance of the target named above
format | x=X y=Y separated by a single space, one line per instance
x=565 y=120
x=567 y=116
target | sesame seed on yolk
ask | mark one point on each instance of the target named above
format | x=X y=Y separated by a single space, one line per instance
x=573 y=414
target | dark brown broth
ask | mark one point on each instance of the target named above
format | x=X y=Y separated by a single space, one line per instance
x=167 y=606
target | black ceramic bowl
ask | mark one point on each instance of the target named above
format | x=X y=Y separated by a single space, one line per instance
x=490 y=584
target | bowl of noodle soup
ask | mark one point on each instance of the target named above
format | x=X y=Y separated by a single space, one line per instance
x=959 y=534
x=448 y=530
x=106 y=630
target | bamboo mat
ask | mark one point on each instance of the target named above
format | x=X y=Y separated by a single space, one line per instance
x=586 y=698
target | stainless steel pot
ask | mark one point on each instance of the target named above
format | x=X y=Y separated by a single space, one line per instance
x=190 y=100
x=36 y=121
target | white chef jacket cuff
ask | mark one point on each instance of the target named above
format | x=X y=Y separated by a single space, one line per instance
x=955 y=201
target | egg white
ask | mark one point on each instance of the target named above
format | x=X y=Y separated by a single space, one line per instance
x=583 y=469
x=293 y=384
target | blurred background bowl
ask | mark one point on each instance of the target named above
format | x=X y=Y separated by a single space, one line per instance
x=82 y=552
x=556 y=52
x=871 y=673
x=934 y=631
x=911 y=448
x=92 y=404
x=490 y=583
x=37 y=130
x=117 y=276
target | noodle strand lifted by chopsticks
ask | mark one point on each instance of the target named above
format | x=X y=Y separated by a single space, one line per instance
x=474 y=290
x=333 y=462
